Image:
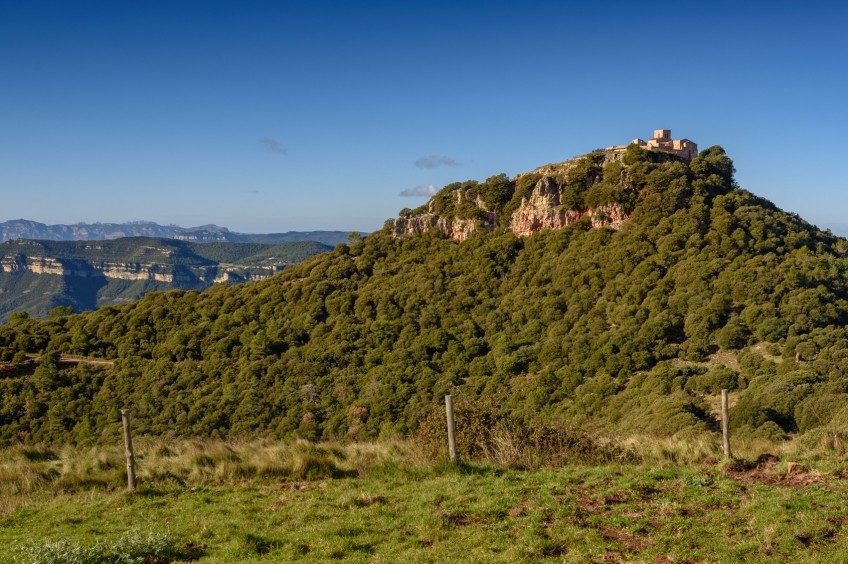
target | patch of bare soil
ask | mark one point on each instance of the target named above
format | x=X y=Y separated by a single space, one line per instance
x=521 y=509
x=628 y=540
x=303 y=486
x=761 y=471
x=367 y=500
x=73 y=360
x=727 y=358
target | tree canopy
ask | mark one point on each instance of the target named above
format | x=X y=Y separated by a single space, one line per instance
x=597 y=328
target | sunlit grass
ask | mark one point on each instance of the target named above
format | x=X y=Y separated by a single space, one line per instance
x=266 y=501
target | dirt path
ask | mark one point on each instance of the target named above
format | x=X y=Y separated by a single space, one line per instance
x=75 y=359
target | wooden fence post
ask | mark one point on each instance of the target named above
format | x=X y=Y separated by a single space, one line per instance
x=128 y=445
x=451 y=434
x=725 y=424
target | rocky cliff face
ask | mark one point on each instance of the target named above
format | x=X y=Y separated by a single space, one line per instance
x=38 y=275
x=540 y=208
x=454 y=227
x=543 y=209
x=169 y=274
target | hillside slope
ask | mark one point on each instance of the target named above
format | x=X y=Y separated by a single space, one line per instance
x=630 y=325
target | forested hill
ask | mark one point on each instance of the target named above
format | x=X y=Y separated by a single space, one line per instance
x=37 y=276
x=627 y=326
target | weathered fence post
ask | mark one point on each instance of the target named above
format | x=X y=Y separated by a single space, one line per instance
x=725 y=424
x=451 y=429
x=128 y=445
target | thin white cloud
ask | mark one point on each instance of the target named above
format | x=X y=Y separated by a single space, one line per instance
x=435 y=161
x=274 y=146
x=422 y=191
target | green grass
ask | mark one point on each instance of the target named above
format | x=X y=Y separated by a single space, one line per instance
x=375 y=503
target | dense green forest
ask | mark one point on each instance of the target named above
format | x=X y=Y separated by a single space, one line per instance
x=596 y=329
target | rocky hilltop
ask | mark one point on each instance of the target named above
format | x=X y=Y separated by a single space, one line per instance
x=595 y=188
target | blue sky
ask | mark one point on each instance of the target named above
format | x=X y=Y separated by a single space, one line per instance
x=290 y=115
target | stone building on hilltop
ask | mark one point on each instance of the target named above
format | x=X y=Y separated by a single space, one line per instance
x=661 y=142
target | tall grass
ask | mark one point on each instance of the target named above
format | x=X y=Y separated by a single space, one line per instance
x=26 y=472
x=29 y=473
x=660 y=451
x=830 y=444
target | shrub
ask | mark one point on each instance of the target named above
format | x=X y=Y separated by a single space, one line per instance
x=131 y=548
x=734 y=335
x=770 y=431
x=635 y=154
x=484 y=432
x=716 y=379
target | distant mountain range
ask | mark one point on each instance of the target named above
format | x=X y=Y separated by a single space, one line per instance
x=38 y=275
x=27 y=229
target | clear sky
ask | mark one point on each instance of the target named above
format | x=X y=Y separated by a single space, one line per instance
x=299 y=115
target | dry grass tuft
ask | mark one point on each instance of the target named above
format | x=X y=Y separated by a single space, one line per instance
x=27 y=471
x=659 y=451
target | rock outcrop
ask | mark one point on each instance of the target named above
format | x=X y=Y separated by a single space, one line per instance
x=542 y=209
x=454 y=227
x=539 y=209
x=169 y=274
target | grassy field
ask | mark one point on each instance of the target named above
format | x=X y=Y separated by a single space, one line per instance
x=268 y=502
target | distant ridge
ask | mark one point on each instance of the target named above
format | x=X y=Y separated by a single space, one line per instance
x=38 y=275
x=28 y=229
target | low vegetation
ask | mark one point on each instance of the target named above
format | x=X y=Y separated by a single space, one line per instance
x=216 y=501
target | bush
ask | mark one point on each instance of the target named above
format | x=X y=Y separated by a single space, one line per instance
x=774 y=400
x=734 y=335
x=484 y=432
x=820 y=409
x=770 y=431
x=131 y=548
x=635 y=154
x=718 y=378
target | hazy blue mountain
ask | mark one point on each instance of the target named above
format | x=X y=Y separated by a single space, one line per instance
x=27 y=229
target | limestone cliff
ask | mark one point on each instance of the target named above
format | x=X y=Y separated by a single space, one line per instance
x=550 y=197
x=135 y=271
x=454 y=227
x=35 y=276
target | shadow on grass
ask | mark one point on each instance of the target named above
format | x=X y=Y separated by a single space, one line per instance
x=153 y=493
x=251 y=544
x=467 y=468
